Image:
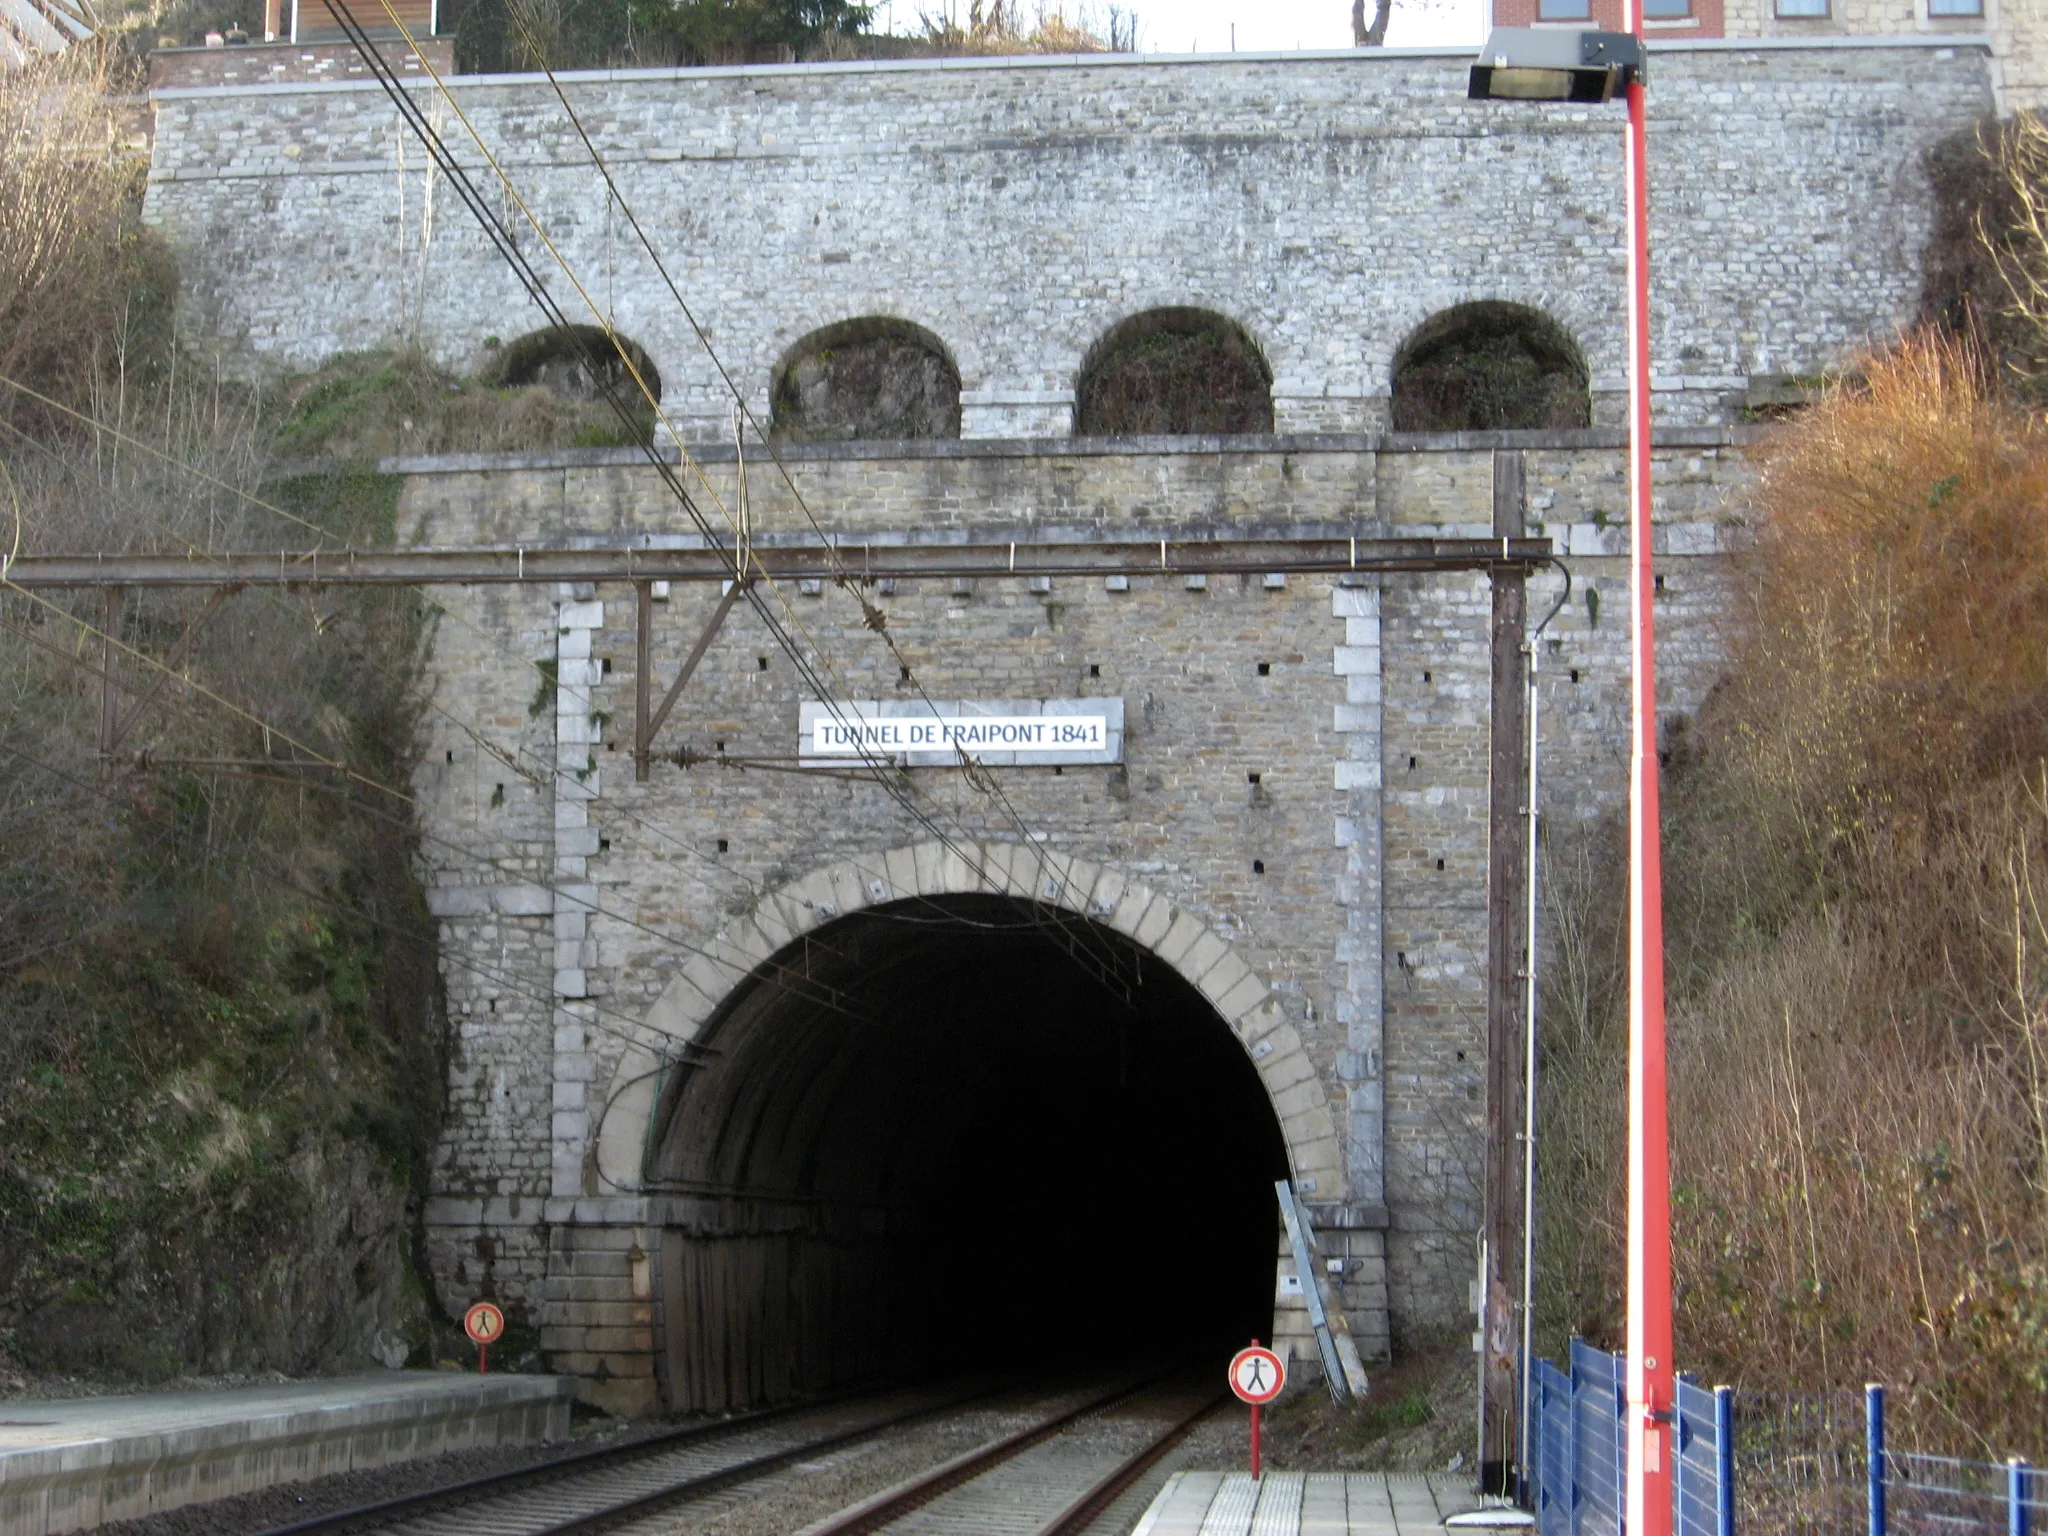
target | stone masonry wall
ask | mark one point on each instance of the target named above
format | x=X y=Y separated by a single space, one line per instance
x=1018 y=209
x=571 y=897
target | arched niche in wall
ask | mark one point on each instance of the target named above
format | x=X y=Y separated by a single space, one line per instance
x=1174 y=371
x=871 y=378
x=583 y=364
x=580 y=362
x=1488 y=367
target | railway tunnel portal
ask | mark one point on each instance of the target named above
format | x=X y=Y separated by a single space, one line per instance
x=950 y=1131
x=648 y=1110
x=767 y=1068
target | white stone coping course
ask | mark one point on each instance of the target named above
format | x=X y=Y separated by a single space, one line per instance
x=1360 y=56
x=72 y=1464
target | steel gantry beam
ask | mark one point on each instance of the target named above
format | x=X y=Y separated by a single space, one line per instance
x=890 y=559
x=812 y=562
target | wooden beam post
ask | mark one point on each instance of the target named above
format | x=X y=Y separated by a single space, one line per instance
x=1506 y=962
x=716 y=622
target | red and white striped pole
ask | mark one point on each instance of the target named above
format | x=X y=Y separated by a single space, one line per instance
x=1649 y=1438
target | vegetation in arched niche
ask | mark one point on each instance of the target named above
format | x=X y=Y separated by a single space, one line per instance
x=580 y=362
x=872 y=378
x=365 y=405
x=1490 y=367
x=1174 y=372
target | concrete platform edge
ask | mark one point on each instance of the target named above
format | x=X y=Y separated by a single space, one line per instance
x=122 y=1458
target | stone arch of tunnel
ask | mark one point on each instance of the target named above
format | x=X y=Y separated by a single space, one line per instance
x=998 y=1110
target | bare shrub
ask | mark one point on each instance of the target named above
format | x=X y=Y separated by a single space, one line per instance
x=82 y=284
x=1580 y=1230
x=1856 y=875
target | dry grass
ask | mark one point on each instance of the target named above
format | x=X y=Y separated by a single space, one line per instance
x=1857 y=876
x=1009 y=26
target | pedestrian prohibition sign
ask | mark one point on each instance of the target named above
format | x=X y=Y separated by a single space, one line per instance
x=485 y=1324
x=1257 y=1375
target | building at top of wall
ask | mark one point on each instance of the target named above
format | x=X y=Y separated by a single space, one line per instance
x=2012 y=28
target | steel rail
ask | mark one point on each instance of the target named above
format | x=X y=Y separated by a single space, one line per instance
x=893 y=1504
x=1088 y=1508
x=646 y=1503
x=474 y=1490
x=865 y=562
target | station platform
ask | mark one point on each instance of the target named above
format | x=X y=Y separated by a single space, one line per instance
x=1307 y=1504
x=72 y=1464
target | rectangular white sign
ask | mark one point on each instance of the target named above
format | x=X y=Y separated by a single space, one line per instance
x=973 y=734
x=993 y=731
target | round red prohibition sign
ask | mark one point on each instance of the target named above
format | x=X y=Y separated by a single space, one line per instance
x=1257 y=1375
x=484 y=1323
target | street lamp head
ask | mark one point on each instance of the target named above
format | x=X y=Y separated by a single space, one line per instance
x=1555 y=64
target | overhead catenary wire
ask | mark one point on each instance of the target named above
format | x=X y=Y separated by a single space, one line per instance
x=976 y=774
x=637 y=1035
x=843 y=575
x=689 y=1051
x=775 y=975
x=600 y=374
x=324 y=535
x=484 y=743
x=311 y=756
x=500 y=237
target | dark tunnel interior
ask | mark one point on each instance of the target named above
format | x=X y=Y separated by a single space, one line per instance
x=956 y=1133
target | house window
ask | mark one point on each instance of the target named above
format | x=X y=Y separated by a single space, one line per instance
x=1955 y=7
x=1667 y=10
x=1564 y=10
x=1803 y=9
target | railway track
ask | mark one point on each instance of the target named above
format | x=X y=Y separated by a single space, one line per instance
x=1078 y=1449
x=1055 y=1478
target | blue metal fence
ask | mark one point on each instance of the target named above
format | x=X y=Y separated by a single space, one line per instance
x=1764 y=1464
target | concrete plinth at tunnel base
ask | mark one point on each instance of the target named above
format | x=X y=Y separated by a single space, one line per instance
x=70 y=1465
